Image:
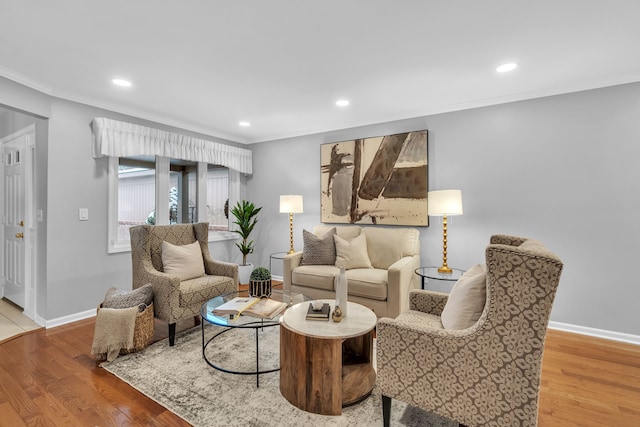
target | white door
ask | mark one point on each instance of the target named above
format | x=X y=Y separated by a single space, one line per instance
x=14 y=155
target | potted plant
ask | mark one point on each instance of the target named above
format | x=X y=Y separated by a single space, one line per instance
x=245 y=213
x=260 y=283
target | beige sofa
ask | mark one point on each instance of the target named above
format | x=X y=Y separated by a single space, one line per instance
x=394 y=254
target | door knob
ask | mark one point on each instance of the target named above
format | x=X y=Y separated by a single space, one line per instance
x=21 y=224
x=20 y=235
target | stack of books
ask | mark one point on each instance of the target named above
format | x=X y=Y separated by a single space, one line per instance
x=322 y=314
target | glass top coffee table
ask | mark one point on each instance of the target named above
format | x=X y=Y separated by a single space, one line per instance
x=230 y=322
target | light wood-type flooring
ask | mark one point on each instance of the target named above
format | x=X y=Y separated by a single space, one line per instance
x=48 y=378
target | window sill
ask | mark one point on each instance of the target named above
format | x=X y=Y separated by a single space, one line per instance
x=220 y=236
x=214 y=236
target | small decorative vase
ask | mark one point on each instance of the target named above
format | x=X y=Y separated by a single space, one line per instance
x=341 y=291
x=260 y=288
x=336 y=316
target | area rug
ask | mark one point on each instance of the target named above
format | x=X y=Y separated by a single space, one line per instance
x=180 y=380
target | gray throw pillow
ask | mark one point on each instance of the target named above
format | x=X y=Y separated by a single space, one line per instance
x=318 y=250
x=140 y=297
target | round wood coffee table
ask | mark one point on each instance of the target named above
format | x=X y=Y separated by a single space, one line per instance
x=326 y=365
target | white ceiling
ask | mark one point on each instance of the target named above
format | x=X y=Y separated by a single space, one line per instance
x=205 y=65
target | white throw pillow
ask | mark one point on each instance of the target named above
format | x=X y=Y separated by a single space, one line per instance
x=183 y=261
x=352 y=253
x=466 y=300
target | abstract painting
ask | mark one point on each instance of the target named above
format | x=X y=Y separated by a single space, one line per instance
x=380 y=180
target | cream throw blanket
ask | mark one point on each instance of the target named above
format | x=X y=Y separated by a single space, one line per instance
x=114 y=331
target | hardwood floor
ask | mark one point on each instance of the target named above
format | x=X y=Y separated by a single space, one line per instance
x=589 y=382
x=48 y=378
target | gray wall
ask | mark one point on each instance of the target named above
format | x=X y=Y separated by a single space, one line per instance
x=560 y=169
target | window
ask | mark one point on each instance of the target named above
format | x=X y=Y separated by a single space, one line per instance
x=138 y=184
x=217 y=198
x=183 y=199
x=136 y=195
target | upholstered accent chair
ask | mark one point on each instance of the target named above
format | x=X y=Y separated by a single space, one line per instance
x=175 y=298
x=487 y=374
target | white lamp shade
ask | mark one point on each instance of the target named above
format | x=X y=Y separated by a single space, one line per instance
x=444 y=202
x=291 y=204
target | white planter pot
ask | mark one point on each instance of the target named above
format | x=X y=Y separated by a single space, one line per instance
x=244 y=273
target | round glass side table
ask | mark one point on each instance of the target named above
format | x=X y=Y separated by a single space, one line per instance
x=277 y=256
x=431 y=272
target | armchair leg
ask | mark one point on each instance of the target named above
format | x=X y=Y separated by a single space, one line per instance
x=386 y=410
x=172 y=334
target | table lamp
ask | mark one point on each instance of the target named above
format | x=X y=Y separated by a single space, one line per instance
x=443 y=203
x=291 y=204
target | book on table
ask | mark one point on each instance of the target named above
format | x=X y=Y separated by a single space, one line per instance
x=322 y=314
x=265 y=308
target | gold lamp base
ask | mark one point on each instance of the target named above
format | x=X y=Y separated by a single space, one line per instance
x=291 y=250
x=445 y=270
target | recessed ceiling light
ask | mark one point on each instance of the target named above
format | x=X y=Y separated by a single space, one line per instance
x=342 y=103
x=507 y=67
x=244 y=124
x=121 y=82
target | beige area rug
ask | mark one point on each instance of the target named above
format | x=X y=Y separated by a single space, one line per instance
x=180 y=380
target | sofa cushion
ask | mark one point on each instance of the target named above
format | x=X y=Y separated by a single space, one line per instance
x=363 y=282
x=318 y=250
x=201 y=289
x=183 y=261
x=388 y=245
x=315 y=276
x=466 y=300
x=368 y=283
x=353 y=253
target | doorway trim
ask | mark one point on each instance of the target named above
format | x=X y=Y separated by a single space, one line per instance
x=30 y=296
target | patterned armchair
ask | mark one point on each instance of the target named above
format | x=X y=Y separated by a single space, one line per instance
x=174 y=299
x=489 y=373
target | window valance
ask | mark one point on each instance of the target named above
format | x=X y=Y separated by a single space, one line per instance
x=121 y=139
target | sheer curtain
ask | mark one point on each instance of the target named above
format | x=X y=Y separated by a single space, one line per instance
x=121 y=139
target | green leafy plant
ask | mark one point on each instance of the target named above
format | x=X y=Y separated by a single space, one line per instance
x=260 y=273
x=245 y=213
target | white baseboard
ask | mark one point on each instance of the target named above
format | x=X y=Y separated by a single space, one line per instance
x=277 y=278
x=40 y=321
x=70 y=318
x=598 y=333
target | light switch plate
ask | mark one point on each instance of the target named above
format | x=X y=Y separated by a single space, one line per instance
x=83 y=214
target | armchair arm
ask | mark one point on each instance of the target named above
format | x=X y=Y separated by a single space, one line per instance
x=428 y=301
x=400 y=281
x=220 y=268
x=290 y=262
x=166 y=289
